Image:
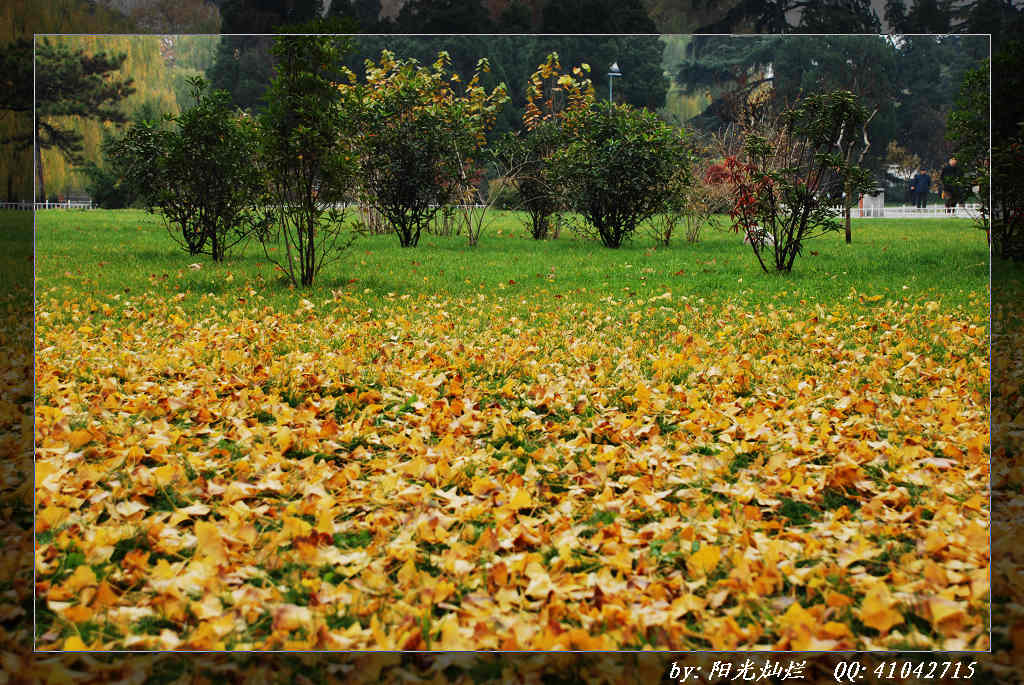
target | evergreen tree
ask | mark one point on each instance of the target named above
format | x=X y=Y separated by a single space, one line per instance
x=852 y=16
x=443 y=16
x=924 y=99
x=266 y=16
x=175 y=16
x=867 y=66
x=968 y=127
x=795 y=16
x=729 y=69
x=752 y=16
x=71 y=83
x=597 y=16
x=16 y=76
x=516 y=17
x=912 y=82
x=923 y=16
x=1002 y=18
x=244 y=65
x=365 y=13
x=1007 y=85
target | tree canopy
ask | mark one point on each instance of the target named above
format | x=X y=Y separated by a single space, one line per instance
x=72 y=83
x=912 y=81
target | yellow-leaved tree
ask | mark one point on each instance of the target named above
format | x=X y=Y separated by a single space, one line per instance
x=420 y=134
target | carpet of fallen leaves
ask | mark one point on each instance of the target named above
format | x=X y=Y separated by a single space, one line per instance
x=1008 y=476
x=441 y=474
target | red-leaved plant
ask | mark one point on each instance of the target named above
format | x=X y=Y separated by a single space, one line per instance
x=785 y=179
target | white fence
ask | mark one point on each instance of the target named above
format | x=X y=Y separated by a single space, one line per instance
x=67 y=204
x=969 y=211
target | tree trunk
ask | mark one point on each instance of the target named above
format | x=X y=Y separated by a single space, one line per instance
x=847 y=204
x=311 y=246
x=404 y=237
x=408 y=236
x=540 y=227
x=39 y=173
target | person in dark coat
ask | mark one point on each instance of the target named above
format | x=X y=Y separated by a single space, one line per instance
x=952 y=185
x=921 y=183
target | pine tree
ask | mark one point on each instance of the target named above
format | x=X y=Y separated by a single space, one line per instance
x=778 y=16
x=244 y=66
x=71 y=83
x=443 y=16
x=922 y=16
x=852 y=16
x=597 y=16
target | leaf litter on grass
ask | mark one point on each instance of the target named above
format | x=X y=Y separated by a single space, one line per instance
x=484 y=473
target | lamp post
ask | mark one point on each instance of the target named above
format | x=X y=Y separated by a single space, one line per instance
x=612 y=73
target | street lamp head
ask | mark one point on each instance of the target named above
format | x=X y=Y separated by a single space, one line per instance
x=612 y=71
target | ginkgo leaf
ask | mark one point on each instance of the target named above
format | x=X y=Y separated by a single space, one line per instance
x=209 y=543
x=82 y=577
x=521 y=500
x=797 y=616
x=104 y=597
x=74 y=644
x=877 y=610
x=704 y=560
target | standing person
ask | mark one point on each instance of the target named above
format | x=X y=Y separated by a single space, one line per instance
x=912 y=188
x=952 y=180
x=922 y=183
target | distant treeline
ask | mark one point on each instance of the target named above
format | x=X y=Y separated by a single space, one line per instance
x=657 y=73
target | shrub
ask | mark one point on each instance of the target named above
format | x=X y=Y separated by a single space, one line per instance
x=789 y=170
x=526 y=158
x=105 y=186
x=620 y=167
x=418 y=138
x=474 y=204
x=445 y=222
x=136 y=161
x=306 y=156
x=369 y=221
x=704 y=201
x=666 y=223
x=199 y=173
x=692 y=203
x=503 y=194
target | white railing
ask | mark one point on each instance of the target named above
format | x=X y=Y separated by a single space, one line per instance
x=67 y=204
x=969 y=211
x=350 y=205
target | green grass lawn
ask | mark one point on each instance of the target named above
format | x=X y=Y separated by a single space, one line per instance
x=944 y=260
x=15 y=250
